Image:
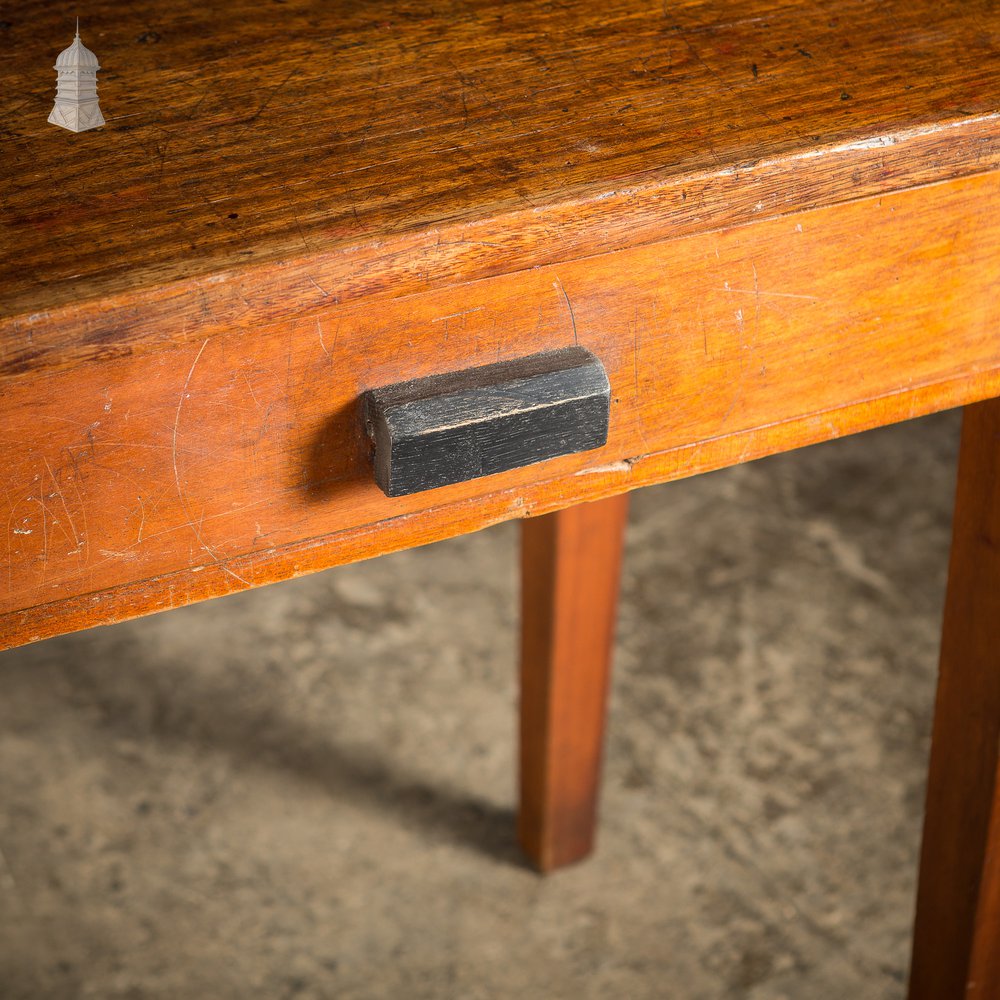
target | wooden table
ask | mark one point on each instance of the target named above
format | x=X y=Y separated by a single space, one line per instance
x=773 y=223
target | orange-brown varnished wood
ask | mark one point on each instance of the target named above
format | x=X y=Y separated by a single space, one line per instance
x=570 y=571
x=956 y=948
x=265 y=161
x=149 y=481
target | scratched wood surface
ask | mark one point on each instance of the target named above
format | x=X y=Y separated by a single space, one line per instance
x=149 y=481
x=266 y=158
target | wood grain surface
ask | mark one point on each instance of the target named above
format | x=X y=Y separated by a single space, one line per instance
x=152 y=480
x=264 y=160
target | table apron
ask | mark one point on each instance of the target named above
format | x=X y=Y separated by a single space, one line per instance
x=146 y=482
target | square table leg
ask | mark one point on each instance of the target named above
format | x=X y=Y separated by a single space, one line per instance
x=956 y=946
x=570 y=568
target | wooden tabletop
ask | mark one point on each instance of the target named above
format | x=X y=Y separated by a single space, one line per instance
x=262 y=156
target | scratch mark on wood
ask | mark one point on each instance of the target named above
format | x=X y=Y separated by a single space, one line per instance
x=569 y=305
x=77 y=476
x=62 y=500
x=465 y=312
x=635 y=352
x=314 y=281
x=253 y=395
x=177 y=417
x=758 y=294
x=267 y=100
x=45 y=538
x=319 y=330
x=196 y=528
x=10 y=554
x=736 y=400
x=538 y=324
x=305 y=242
x=756 y=297
x=465 y=106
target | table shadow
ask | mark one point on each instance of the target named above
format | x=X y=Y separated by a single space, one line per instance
x=141 y=698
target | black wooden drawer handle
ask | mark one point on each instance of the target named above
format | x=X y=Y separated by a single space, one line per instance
x=462 y=425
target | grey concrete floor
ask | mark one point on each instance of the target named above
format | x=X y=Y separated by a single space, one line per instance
x=307 y=791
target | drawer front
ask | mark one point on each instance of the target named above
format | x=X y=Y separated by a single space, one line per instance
x=141 y=483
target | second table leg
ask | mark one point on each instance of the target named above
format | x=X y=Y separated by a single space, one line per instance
x=956 y=946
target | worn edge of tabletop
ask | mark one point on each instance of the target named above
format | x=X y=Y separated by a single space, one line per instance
x=634 y=212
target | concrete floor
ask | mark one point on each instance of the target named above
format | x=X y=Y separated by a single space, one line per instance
x=307 y=791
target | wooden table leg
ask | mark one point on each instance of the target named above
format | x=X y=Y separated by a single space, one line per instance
x=956 y=946
x=570 y=569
